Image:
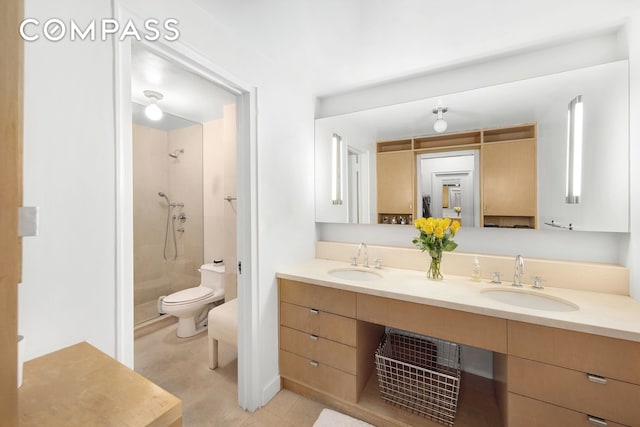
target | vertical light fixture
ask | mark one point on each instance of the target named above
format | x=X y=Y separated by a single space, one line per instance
x=574 y=150
x=336 y=169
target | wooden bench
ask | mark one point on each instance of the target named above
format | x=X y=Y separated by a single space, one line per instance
x=223 y=326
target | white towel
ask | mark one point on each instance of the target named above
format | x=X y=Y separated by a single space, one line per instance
x=329 y=418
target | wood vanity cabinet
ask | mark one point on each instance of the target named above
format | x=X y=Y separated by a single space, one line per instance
x=560 y=377
x=395 y=177
x=322 y=345
x=542 y=376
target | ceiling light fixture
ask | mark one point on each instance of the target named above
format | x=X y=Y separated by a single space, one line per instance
x=153 y=111
x=440 y=125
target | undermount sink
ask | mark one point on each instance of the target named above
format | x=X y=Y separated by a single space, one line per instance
x=529 y=299
x=355 y=274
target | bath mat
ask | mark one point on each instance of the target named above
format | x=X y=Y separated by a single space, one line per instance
x=329 y=418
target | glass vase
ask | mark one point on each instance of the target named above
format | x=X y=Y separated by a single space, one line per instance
x=433 y=272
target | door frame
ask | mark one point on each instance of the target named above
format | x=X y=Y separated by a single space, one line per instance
x=249 y=390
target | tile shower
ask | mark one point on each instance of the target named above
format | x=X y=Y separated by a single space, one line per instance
x=200 y=175
x=179 y=177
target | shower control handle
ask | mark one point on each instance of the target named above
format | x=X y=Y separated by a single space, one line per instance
x=182 y=217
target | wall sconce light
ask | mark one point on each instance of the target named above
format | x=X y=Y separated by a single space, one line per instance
x=336 y=169
x=440 y=125
x=153 y=111
x=574 y=150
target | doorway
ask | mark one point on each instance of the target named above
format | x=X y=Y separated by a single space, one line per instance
x=249 y=393
x=448 y=186
x=184 y=182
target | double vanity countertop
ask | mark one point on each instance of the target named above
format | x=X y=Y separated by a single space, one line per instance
x=609 y=315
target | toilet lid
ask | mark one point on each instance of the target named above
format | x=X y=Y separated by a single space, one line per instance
x=188 y=295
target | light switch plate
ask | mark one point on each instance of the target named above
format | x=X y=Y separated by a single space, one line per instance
x=27 y=221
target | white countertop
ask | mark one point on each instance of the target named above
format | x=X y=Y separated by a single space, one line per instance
x=609 y=315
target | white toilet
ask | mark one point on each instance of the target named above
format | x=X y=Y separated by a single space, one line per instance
x=191 y=305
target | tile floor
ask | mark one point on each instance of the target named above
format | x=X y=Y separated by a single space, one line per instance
x=209 y=398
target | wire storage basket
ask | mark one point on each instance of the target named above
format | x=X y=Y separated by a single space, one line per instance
x=420 y=374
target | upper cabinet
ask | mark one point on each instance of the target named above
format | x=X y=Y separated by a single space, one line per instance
x=508 y=179
x=395 y=177
x=449 y=185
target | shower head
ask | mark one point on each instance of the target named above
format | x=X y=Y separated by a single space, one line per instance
x=161 y=194
x=176 y=153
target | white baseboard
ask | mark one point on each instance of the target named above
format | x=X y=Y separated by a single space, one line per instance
x=272 y=388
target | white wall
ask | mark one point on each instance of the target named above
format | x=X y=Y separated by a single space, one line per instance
x=68 y=289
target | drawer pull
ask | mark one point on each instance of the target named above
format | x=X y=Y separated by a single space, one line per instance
x=313 y=363
x=314 y=311
x=597 y=379
x=596 y=421
x=313 y=337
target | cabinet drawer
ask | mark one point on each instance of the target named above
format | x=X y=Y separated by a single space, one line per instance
x=605 y=398
x=466 y=328
x=609 y=357
x=321 y=298
x=526 y=412
x=318 y=322
x=318 y=375
x=325 y=351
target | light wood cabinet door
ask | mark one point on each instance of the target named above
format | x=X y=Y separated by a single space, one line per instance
x=395 y=172
x=608 y=357
x=590 y=394
x=11 y=105
x=321 y=298
x=318 y=375
x=509 y=178
x=313 y=347
x=319 y=323
x=527 y=412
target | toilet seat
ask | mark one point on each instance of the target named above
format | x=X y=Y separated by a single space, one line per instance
x=188 y=296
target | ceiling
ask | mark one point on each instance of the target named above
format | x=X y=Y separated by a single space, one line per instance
x=187 y=97
x=335 y=46
x=526 y=101
x=339 y=45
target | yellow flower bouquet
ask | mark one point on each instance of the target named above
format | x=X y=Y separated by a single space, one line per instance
x=436 y=236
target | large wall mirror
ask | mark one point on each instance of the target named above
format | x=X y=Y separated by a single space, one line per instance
x=451 y=183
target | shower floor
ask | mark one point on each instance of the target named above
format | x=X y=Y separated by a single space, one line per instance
x=145 y=311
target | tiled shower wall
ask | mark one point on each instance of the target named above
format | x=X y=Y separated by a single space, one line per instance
x=200 y=178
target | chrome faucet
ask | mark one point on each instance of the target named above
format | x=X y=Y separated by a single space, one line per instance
x=519 y=271
x=365 y=259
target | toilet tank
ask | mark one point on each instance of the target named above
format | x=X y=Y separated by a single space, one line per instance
x=212 y=276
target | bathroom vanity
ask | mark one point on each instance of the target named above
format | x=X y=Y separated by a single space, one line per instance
x=575 y=367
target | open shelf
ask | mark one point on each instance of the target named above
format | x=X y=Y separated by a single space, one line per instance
x=448 y=140
x=511 y=133
x=477 y=406
x=505 y=221
x=395 y=145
